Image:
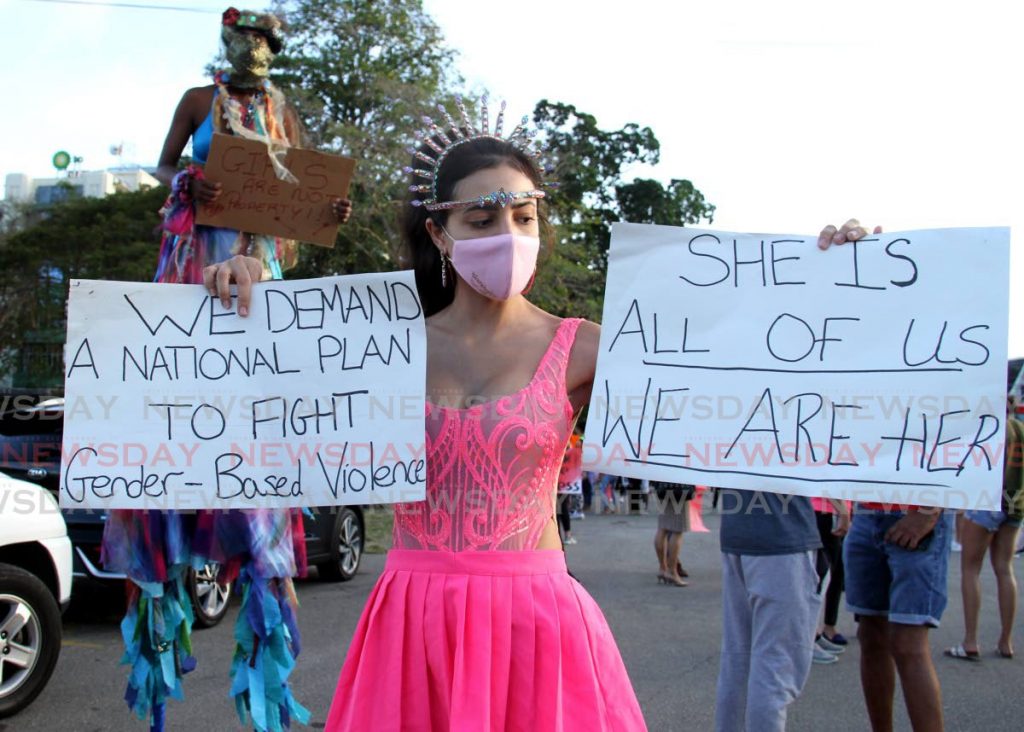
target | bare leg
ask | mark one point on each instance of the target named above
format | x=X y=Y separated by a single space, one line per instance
x=1003 y=544
x=921 y=691
x=877 y=671
x=659 y=549
x=674 y=543
x=975 y=540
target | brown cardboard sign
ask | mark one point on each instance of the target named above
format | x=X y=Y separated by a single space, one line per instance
x=254 y=199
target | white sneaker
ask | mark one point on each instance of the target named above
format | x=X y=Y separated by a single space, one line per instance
x=828 y=646
x=570 y=540
x=956 y=546
x=822 y=657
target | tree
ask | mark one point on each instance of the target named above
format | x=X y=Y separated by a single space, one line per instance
x=646 y=201
x=360 y=73
x=111 y=238
x=588 y=165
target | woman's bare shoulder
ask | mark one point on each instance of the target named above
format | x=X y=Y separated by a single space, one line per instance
x=196 y=102
x=199 y=93
x=584 y=350
x=588 y=334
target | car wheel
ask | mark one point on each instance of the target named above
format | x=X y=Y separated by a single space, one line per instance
x=30 y=633
x=210 y=599
x=346 y=547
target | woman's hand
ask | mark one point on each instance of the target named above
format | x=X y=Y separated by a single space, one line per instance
x=204 y=191
x=842 y=527
x=342 y=208
x=850 y=231
x=242 y=271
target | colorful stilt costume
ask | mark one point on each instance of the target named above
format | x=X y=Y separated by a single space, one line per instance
x=261 y=548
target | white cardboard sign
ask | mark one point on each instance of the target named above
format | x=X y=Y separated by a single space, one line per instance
x=873 y=372
x=173 y=402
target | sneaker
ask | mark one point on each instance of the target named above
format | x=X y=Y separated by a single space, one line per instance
x=839 y=639
x=576 y=515
x=822 y=657
x=956 y=546
x=828 y=646
x=570 y=540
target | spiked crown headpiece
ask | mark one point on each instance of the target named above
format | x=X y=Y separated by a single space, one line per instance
x=436 y=142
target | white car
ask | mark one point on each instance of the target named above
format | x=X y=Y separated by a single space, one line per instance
x=35 y=586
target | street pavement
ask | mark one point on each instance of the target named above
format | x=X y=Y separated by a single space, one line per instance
x=669 y=638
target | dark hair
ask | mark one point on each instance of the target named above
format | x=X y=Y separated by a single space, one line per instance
x=463 y=160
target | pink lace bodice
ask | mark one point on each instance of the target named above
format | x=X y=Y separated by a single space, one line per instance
x=492 y=468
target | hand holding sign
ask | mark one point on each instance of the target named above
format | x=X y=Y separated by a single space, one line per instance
x=205 y=191
x=239 y=270
x=342 y=210
x=253 y=198
x=850 y=231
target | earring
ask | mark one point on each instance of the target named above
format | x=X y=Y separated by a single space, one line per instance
x=529 y=285
x=444 y=269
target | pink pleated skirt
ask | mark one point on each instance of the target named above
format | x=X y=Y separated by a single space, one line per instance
x=482 y=641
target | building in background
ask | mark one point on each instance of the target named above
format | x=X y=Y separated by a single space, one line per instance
x=22 y=188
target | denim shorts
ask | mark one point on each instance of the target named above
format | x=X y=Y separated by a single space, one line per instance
x=990 y=520
x=882 y=579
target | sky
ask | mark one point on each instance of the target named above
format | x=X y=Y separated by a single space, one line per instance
x=787 y=115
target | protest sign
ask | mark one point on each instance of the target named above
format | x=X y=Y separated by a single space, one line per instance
x=254 y=199
x=873 y=371
x=315 y=398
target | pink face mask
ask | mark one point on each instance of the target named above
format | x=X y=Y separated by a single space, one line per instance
x=498 y=267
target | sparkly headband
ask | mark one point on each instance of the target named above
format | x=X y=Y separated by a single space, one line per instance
x=500 y=197
x=441 y=141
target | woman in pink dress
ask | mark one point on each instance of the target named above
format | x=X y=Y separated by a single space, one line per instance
x=475 y=623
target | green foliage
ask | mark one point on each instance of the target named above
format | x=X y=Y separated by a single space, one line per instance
x=360 y=73
x=647 y=201
x=592 y=195
x=112 y=238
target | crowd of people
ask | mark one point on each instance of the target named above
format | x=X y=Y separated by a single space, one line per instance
x=786 y=562
x=466 y=628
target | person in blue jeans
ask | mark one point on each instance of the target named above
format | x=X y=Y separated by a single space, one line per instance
x=897 y=561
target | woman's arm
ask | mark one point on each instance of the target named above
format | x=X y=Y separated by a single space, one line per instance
x=579 y=376
x=182 y=127
x=193 y=105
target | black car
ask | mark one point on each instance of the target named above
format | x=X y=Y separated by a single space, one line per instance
x=31 y=431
